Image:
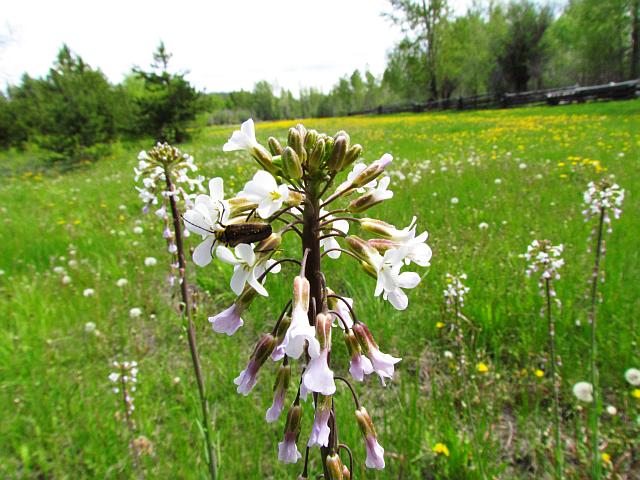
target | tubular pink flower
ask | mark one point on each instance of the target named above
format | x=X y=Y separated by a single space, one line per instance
x=320 y=430
x=383 y=363
x=318 y=377
x=227 y=321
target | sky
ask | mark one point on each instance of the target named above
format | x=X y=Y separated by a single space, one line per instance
x=224 y=45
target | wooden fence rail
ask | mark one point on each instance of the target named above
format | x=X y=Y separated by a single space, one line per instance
x=554 y=96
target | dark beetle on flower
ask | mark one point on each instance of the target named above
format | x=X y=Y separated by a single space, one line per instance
x=235 y=234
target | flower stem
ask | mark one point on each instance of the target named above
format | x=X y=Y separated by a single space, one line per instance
x=595 y=461
x=185 y=310
x=555 y=383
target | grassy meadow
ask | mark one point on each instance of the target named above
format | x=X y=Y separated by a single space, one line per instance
x=521 y=172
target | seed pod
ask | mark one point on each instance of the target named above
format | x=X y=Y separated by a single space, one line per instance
x=274 y=146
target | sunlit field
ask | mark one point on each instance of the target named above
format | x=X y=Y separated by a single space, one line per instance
x=483 y=184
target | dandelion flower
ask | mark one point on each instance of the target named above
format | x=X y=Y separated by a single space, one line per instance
x=454 y=201
x=88 y=292
x=611 y=410
x=89 y=327
x=441 y=449
x=122 y=282
x=483 y=226
x=66 y=280
x=138 y=230
x=150 y=262
x=632 y=376
x=539 y=373
x=636 y=393
x=135 y=312
x=482 y=367
x=583 y=391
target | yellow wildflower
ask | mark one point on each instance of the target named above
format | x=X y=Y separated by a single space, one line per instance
x=606 y=458
x=441 y=449
x=636 y=393
x=539 y=373
x=482 y=368
x=439 y=325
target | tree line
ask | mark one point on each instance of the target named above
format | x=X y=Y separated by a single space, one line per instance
x=502 y=46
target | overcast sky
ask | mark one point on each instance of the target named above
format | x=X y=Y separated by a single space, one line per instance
x=224 y=44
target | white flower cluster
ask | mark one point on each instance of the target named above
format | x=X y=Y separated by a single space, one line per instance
x=125 y=379
x=241 y=230
x=601 y=198
x=546 y=259
x=455 y=292
x=152 y=169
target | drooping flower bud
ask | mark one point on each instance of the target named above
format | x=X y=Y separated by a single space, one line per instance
x=281 y=333
x=294 y=199
x=274 y=146
x=346 y=474
x=372 y=198
x=321 y=431
x=340 y=145
x=383 y=363
x=359 y=365
x=248 y=377
x=372 y=172
x=291 y=165
x=334 y=467
x=228 y=321
x=264 y=158
x=287 y=449
x=378 y=227
x=283 y=379
x=375 y=453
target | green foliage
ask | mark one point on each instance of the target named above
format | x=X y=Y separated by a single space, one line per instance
x=169 y=102
x=59 y=414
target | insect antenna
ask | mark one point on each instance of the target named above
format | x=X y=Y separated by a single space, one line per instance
x=197 y=226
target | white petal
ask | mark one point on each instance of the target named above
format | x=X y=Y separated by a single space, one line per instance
x=224 y=254
x=244 y=251
x=202 y=253
x=398 y=299
x=238 y=279
x=249 y=129
x=408 y=280
x=257 y=286
x=216 y=189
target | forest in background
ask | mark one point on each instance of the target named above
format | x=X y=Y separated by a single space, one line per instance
x=495 y=47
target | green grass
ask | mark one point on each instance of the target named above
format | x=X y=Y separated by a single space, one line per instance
x=59 y=414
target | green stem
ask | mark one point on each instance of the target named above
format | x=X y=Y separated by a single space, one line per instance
x=555 y=382
x=595 y=461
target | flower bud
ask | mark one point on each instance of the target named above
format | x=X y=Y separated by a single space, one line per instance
x=269 y=244
x=342 y=133
x=364 y=202
x=364 y=337
x=317 y=155
x=353 y=347
x=274 y=146
x=358 y=246
x=295 y=198
x=382 y=245
x=369 y=269
x=310 y=140
x=263 y=349
x=303 y=132
x=283 y=326
x=264 y=158
x=294 y=417
x=301 y=289
x=338 y=152
x=291 y=165
x=334 y=467
x=246 y=297
x=323 y=330
x=294 y=140
x=239 y=205
x=346 y=474
x=372 y=171
x=378 y=227
x=364 y=422
x=351 y=156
